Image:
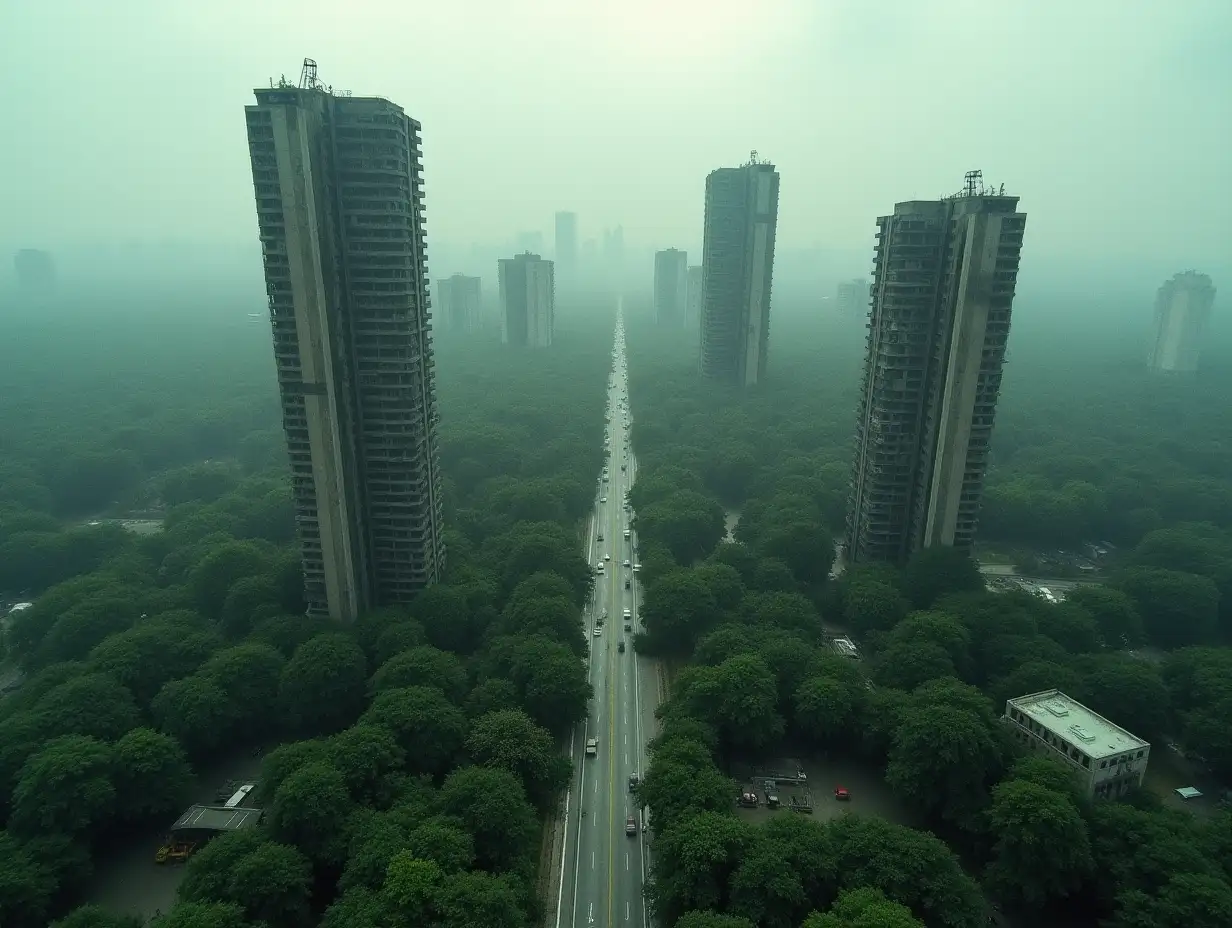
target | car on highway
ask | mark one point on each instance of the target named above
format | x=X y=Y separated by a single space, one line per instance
x=631 y=826
x=628 y=614
x=633 y=781
x=599 y=537
x=627 y=562
x=627 y=583
x=599 y=568
x=597 y=632
x=637 y=567
x=620 y=646
x=603 y=499
x=607 y=557
x=592 y=747
x=628 y=627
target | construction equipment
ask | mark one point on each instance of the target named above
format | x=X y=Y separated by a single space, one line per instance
x=175 y=852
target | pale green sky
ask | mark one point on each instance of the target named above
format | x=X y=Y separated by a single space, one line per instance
x=1112 y=119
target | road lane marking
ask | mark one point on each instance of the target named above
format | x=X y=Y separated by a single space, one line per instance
x=592 y=860
x=626 y=860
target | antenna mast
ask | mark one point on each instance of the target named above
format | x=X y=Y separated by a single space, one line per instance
x=308 y=76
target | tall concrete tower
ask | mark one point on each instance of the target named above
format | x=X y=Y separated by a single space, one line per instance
x=1182 y=313
x=458 y=303
x=942 y=293
x=528 y=300
x=671 y=287
x=566 y=246
x=742 y=206
x=339 y=195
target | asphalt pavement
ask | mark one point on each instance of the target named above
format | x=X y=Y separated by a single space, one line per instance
x=605 y=857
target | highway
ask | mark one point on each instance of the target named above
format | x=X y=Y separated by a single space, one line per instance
x=604 y=859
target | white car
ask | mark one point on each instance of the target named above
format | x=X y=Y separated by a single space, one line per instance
x=592 y=747
x=626 y=562
x=637 y=567
x=599 y=568
x=597 y=632
x=628 y=614
x=607 y=557
x=603 y=499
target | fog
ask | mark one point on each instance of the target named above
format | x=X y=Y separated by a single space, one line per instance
x=125 y=151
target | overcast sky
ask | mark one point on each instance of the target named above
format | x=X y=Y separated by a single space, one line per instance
x=1112 y=119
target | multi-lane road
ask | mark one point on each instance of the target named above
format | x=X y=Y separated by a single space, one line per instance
x=605 y=855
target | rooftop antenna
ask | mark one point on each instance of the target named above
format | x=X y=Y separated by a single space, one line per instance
x=753 y=156
x=973 y=183
x=308 y=76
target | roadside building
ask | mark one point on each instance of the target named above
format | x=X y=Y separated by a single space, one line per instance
x=1108 y=760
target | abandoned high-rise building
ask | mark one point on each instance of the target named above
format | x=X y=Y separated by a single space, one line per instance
x=1182 y=314
x=458 y=303
x=853 y=297
x=528 y=300
x=671 y=287
x=339 y=195
x=742 y=206
x=943 y=287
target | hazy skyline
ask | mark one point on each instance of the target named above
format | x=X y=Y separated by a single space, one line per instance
x=1109 y=119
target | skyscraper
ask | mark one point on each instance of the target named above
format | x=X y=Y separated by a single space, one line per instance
x=339 y=195
x=693 y=304
x=942 y=292
x=671 y=287
x=853 y=297
x=566 y=246
x=528 y=300
x=742 y=206
x=1182 y=313
x=458 y=303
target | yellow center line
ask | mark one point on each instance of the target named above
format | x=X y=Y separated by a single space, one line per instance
x=613 y=677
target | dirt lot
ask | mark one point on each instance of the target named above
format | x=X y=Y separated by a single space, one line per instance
x=865 y=783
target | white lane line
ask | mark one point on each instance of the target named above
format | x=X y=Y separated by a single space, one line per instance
x=626 y=860
x=626 y=911
x=592 y=860
x=564 y=847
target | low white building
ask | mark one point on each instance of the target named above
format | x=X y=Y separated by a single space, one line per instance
x=1108 y=760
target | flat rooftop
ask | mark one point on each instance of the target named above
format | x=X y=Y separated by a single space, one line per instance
x=1077 y=725
x=216 y=818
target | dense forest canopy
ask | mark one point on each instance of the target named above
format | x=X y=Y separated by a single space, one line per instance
x=413 y=759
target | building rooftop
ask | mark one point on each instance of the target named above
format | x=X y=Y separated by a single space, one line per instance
x=216 y=818
x=1077 y=725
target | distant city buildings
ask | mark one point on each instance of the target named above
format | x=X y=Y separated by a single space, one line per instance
x=1182 y=313
x=566 y=246
x=458 y=303
x=738 y=266
x=528 y=300
x=36 y=272
x=853 y=298
x=671 y=287
x=693 y=304
x=339 y=197
x=942 y=294
x=1106 y=760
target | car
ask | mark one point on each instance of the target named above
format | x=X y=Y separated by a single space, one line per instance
x=627 y=583
x=633 y=781
x=599 y=568
x=631 y=826
x=592 y=747
x=607 y=557
x=603 y=499
x=841 y=793
x=627 y=564
x=599 y=537
x=598 y=631
x=628 y=627
x=620 y=646
x=637 y=567
x=628 y=614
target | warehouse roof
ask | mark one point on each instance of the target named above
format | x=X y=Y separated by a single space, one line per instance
x=216 y=818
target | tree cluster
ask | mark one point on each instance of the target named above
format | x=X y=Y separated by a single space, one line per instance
x=414 y=754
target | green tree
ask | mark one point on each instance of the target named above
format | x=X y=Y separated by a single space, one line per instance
x=1187 y=901
x=64 y=789
x=1120 y=625
x=322 y=685
x=1042 y=849
x=203 y=915
x=311 y=811
x=696 y=860
x=934 y=572
x=678 y=609
x=510 y=739
x=423 y=666
x=426 y=725
x=195 y=711
x=151 y=775
x=371 y=762
x=493 y=806
x=1177 y=609
x=864 y=908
